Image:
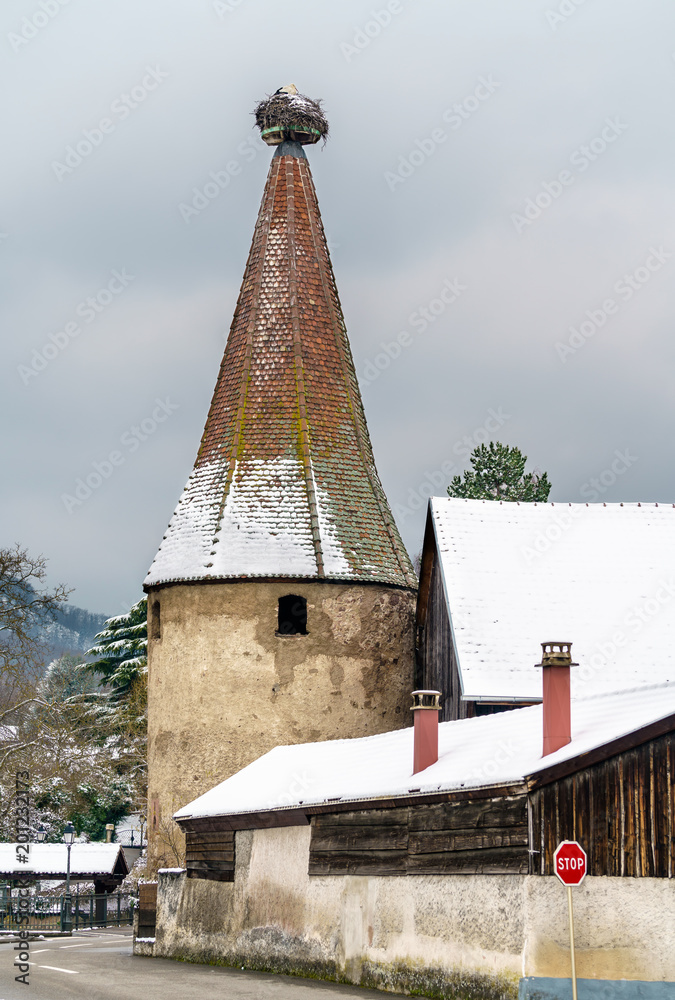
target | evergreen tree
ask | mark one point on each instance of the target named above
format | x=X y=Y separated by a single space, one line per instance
x=81 y=732
x=63 y=680
x=498 y=473
x=120 y=653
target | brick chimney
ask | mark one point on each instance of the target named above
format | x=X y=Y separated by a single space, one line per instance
x=556 y=660
x=425 y=707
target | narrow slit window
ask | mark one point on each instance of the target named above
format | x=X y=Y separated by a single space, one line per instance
x=292 y=615
x=155 y=621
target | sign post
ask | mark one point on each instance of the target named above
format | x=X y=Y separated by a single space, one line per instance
x=570 y=865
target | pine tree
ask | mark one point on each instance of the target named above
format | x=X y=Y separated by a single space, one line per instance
x=498 y=473
x=120 y=653
x=63 y=680
x=82 y=734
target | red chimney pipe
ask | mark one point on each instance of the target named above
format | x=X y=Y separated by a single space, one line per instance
x=556 y=660
x=425 y=707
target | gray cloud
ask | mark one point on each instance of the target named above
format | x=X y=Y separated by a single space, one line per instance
x=163 y=335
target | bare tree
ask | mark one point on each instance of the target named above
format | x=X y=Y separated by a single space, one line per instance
x=171 y=845
x=26 y=607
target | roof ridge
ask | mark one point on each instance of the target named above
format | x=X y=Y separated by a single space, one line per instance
x=304 y=431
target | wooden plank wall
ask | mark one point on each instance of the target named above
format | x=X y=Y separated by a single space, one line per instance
x=147 y=909
x=486 y=836
x=210 y=855
x=439 y=666
x=620 y=811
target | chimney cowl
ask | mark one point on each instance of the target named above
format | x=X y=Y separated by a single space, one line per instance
x=426 y=699
x=556 y=654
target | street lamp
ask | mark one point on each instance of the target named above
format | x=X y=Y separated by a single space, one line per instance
x=66 y=918
x=40 y=835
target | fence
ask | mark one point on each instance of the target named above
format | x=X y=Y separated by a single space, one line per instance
x=49 y=913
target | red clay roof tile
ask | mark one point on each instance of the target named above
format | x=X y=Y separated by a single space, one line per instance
x=285 y=481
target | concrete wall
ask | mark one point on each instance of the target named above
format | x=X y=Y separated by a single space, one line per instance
x=476 y=935
x=224 y=689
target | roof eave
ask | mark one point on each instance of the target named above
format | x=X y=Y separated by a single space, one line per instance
x=381 y=581
x=503 y=699
x=601 y=753
x=299 y=815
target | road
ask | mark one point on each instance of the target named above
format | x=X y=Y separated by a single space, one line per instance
x=98 y=965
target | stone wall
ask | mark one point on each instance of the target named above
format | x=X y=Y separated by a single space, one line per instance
x=223 y=688
x=452 y=936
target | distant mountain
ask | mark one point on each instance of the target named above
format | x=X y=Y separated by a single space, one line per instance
x=73 y=630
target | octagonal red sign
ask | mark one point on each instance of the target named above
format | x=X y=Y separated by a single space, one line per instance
x=570 y=862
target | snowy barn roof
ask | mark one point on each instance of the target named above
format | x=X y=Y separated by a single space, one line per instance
x=518 y=574
x=491 y=750
x=285 y=483
x=86 y=860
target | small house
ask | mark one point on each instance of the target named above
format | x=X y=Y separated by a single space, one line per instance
x=103 y=864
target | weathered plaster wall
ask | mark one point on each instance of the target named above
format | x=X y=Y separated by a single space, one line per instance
x=623 y=928
x=472 y=934
x=379 y=931
x=224 y=689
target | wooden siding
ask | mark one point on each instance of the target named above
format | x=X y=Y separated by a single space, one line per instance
x=620 y=810
x=439 y=664
x=147 y=909
x=486 y=836
x=210 y=855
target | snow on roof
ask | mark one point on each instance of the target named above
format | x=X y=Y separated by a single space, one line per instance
x=488 y=750
x=599 y=576
x=264 y=528
x=51 y=859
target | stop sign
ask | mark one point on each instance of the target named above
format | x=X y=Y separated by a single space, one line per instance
x=569 y=862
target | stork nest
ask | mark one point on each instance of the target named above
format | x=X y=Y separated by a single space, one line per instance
x=291 y=111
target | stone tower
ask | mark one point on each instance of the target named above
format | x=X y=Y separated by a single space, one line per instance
x=281 y=600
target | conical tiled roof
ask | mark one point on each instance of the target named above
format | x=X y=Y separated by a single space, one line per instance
x=285 y=483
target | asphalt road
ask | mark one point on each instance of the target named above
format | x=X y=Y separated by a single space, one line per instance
x=99 y=966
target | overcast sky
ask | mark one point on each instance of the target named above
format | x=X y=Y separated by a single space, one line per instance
x=519 y=155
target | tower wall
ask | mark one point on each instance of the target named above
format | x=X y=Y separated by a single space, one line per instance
x=224 y=688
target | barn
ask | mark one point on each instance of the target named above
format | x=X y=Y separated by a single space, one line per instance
x=339 y=860
x=496 y=578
